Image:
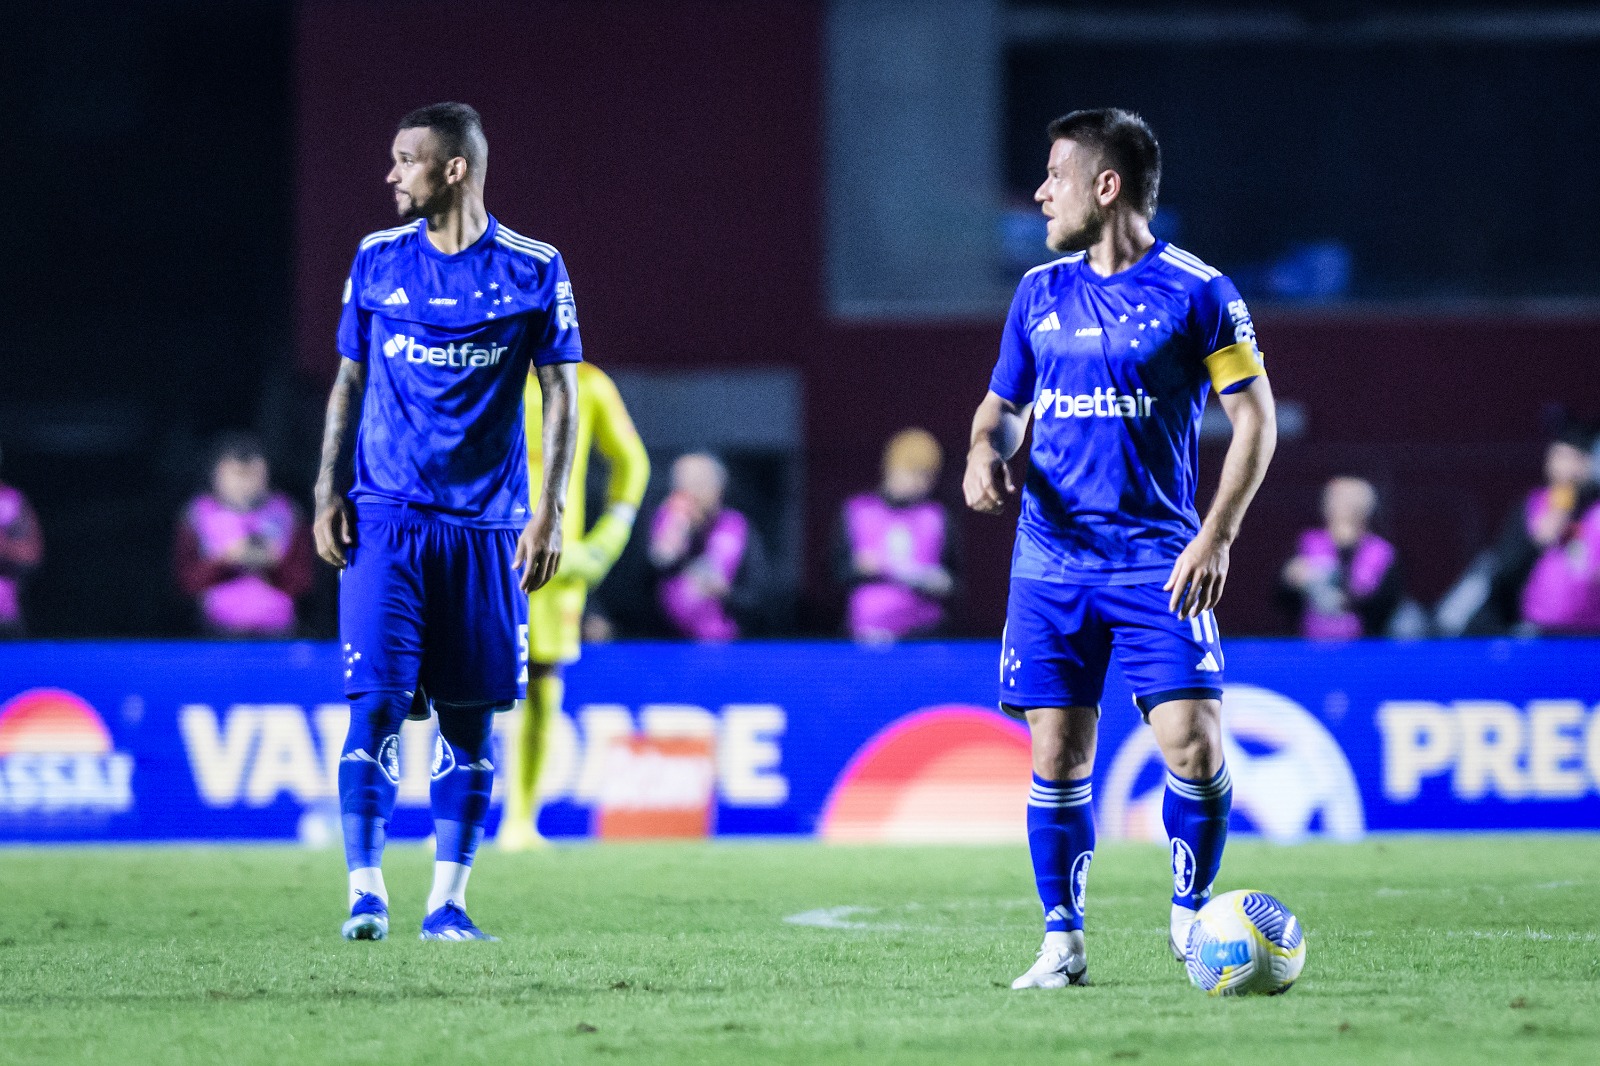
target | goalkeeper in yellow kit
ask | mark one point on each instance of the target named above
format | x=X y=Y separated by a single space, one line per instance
x=555 y=612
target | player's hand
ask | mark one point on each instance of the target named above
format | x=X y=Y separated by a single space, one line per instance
x=1198 y=576
x=538 y=554
x=334 y=529
x=987 y=484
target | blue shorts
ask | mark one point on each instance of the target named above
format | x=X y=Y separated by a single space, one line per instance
x=424 y=601
x=1059 y=640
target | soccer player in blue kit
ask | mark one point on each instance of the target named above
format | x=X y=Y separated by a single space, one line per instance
x=423 y=497
x=1111 y=350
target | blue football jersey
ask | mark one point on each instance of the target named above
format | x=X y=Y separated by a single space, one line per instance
x=448 y=340
x=1117 y=369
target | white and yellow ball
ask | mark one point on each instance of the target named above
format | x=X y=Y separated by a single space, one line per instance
x=1245 y=943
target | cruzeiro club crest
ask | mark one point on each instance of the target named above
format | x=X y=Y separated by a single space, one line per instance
x=1290 y=778
x=1079 y=880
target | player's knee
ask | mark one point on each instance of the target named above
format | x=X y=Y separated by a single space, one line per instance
x=375 y=716
x=468 y=727
x=1063 y=742
x=1189 y=733
x=1197 y=761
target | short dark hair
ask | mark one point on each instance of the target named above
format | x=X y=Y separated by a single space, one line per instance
x=1124 y=142
x=459 y=129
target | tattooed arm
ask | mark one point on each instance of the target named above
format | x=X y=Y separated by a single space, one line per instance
x=334 y=526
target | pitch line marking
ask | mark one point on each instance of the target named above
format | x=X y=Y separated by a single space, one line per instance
x=1525 y=934
x=1386 y=892
x=835 y=918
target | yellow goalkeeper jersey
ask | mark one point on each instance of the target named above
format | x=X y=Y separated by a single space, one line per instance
x=603 y=423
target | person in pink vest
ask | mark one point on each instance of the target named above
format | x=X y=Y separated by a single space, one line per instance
x=1546 y=573
x=894 y=548
x=709 y=560
x=21 y=551
x=243 y=552
x=1344 y=580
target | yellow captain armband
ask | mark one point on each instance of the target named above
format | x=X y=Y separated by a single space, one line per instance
x=1233 y=364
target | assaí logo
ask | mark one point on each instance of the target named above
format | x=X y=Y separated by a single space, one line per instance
x=462 y=355
x=1101 y=403
x=57 y=758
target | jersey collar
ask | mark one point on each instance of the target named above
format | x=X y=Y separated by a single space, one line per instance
x=472 y=249
x=1088 y=272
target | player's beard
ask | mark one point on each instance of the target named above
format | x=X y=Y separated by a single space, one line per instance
x=1084 y=237
x=414 y=207
x=411 y=208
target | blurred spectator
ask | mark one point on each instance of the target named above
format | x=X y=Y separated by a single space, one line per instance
x=712 y=574
x=1545 y=570
x=21 y=549
x=893 y=547
x=243 y=552
x=1344 y=580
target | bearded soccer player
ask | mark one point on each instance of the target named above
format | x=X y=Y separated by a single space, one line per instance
x=555 y=612
x=423 y=497
x=1111 y=350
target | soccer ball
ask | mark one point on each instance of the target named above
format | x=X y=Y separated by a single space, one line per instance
x=1244 y=943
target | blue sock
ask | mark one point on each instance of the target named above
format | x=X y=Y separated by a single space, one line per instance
x=1061 y=841
x=463 y=777
x=369 y=774
x=1196 y=816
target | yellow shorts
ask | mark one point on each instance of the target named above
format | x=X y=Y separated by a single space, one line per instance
x=555 y=621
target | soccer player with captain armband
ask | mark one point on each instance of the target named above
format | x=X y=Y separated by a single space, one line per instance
x=1110 y=351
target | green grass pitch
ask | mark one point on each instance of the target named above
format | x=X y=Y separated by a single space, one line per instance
x=1421 y=950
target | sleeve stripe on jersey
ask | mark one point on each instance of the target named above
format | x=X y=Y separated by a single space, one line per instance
x=1233 y=364
x=1205 y=274
x=383 y=236
x=538 y=249
x=1074 y=257
x=524 y=249
x=516 y=238
x=1193 y=260
x=512 y=234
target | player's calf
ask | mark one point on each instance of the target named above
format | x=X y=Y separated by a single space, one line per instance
x=463 y=777
x=369 y=780
x=1061 y=844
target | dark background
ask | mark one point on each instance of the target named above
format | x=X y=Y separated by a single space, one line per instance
x=146 y=295
x=1424 y=159
x=190 y=180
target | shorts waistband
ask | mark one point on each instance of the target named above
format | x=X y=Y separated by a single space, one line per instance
x=395 y=511
x=371 y=510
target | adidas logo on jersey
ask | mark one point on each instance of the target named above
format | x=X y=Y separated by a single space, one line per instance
x=1101 y=403
x=1050 y=322
x=396 y=298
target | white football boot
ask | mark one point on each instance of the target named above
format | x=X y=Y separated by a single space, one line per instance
x=1061 y=962
x=1178 y=930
